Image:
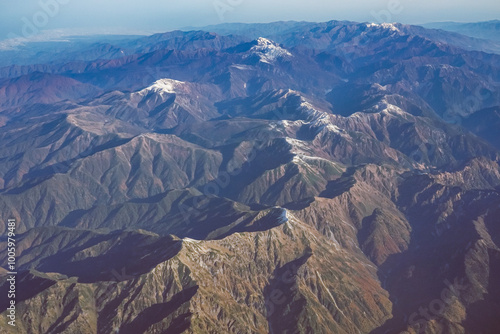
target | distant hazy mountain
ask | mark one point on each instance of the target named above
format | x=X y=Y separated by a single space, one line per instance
x=484 y=30
x=450 y=36
x=87 y=48
x=290 y=177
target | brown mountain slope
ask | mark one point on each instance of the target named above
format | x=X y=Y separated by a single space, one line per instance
x=245 y=283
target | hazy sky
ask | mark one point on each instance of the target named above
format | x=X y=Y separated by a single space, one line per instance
x=29 y=18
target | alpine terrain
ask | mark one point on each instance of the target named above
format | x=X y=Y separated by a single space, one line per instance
x=289 y=177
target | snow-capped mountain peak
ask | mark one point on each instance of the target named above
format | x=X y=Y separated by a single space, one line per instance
x=268 y=50
x=389 y=26
x=162 y=86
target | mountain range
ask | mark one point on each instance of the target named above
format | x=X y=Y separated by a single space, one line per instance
x=290 y=177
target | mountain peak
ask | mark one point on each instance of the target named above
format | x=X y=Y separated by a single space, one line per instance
x=389 y=26
x=162 y=86
x=268 y=50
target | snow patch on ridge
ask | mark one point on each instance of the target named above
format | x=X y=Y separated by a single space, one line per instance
x=392 y=109
x=195 y=247
x=390 y=26
x=295 y=143
x=268 y=51
x=388 y=108
x=283 y=218
x=242 y=67
x=162 y=86
x=320 y=120
x=190 y=240
x=286 y=218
